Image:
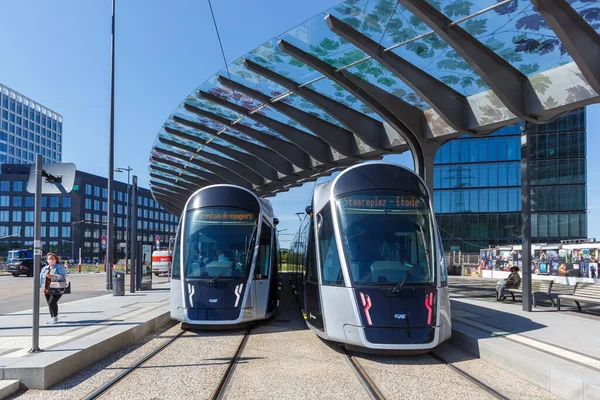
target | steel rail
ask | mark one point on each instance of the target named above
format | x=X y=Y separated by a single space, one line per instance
x=108 y=385
x=226 y=378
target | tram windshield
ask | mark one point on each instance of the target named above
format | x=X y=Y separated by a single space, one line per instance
x=387 y=237
x=219 y=242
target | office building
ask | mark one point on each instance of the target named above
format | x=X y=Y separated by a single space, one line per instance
x=477 y=185
x=26 y=129
x=78 y=219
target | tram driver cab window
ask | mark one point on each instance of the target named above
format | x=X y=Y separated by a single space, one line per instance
x=218 y=243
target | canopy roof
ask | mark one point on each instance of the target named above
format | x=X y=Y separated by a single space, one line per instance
x=368 y=78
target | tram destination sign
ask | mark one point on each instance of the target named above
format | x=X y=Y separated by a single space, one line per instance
x=382 y=202
x=225 y=216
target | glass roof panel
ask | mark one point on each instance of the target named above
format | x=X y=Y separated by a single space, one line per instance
x=194 y=132
x=306 y=106
x=221 y=142
x=190 y=116
x=520 y=35
x=214 y=87
x=253 y=124
x=434 y=56
x=455 y=9
x=211 y=107
x=589 y=10
x=276 y=115
x=270 y=56
x=338 y=93
x=378 y=75
x=315 y=37
x=184 y=153
x=244 y=76
x=239 y=135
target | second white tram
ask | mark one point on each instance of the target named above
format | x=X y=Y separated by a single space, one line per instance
x=224 y=271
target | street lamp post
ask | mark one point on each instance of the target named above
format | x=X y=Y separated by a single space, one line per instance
x=73 y=223
x=128 y=169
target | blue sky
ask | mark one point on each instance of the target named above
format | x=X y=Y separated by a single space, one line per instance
x=58 y=54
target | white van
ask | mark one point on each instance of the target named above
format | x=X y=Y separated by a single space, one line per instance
x=161 y=262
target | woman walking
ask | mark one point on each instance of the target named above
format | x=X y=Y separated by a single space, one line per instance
x=54 y=271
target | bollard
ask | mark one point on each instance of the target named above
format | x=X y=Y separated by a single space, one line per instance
x=79 y=267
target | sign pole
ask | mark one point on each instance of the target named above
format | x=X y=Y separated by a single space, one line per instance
x=37 y=255
x=111 y=160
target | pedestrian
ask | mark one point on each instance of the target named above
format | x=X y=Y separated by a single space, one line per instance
x=67 y=266
x=512 y=282
x=54 y=271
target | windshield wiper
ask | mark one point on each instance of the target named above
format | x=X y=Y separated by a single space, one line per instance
x=215 y=279
x=407 y=275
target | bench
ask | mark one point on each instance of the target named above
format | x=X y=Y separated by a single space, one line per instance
x=537 y=287
x=583 y=292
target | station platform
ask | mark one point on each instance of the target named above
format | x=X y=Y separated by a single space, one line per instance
x=89 y=330
x=557 y=351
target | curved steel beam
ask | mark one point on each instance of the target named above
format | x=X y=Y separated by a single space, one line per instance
x=233 y=166
x=173 y=205
x=577 y=36
x=177 y=189
x=293 y=153
x=449 y=104
x=268 y=156
x=209 y=176
x=171 y=197
x=215 y=168
x=406 y=119
x=510 y=85
x=176 y=182
x=366 y=128
x=185 y=175
x=342 y=143
x=260 y=167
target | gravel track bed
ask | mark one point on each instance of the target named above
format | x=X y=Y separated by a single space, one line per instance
x=493 y=376
x=418 y=377
x=91 y=378
x=189 y=368
x=292 y=364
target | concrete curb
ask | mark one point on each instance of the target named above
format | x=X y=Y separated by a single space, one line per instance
x=562 y=378
x=46 y=369
x=8 y=387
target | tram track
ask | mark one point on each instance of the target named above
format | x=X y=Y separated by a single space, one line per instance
x=227 y=376
x=99 y=392
x=491 y=391
x=364 y=377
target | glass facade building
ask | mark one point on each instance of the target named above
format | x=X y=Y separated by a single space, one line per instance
x=26 y=129
x=78 y=219
x=477 y=185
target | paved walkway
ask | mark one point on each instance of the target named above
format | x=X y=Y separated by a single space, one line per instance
x=558 y=351
x=89 y=330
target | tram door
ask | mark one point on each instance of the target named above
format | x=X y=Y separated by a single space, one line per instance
x=314 y=315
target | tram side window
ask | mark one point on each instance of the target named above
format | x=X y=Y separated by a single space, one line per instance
x=264 y=253
x=176 y=269
x=330 y=262
x=311 y=267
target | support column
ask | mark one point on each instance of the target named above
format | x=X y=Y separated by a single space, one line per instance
x=133 y=279
x=429 y=149
x=526 y=218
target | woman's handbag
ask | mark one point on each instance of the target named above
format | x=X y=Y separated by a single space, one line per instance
x=59 y=288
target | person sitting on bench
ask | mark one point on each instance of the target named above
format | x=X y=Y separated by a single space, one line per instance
x=513 y=281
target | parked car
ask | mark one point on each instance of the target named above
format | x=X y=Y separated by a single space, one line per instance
x=23 y=266
x=161 y=262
